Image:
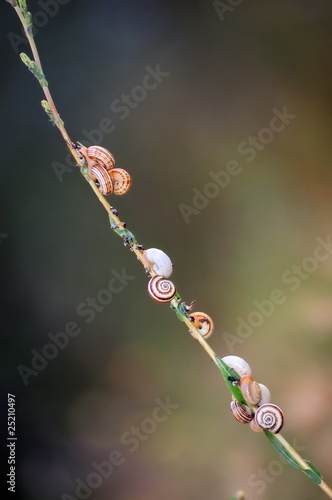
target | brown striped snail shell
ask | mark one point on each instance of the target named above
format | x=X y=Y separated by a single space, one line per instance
x=269 y=417
x=203 y=323
x=250 y=390
x=102 y=179
x=161 y=289
x=237 y=364
x=241 y=412
x=100 y=155
x=121 y=180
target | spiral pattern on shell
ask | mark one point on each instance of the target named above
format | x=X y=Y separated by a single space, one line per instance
x=203 y=323
x=102 y=179
x=269 y=417
x=241 y=412
x=250 y=389
x=121 y=180
x=161 y=289
x=100 y=155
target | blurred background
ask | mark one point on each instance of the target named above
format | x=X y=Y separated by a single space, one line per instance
x=225 y=75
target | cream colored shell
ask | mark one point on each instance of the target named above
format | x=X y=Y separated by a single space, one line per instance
x=237 y=364
x=159 y=262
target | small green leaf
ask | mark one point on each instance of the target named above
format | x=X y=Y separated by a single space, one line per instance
x=282 y=450
x=314 y=468
x=316 y=478
x=230 y=376
x=23 y=6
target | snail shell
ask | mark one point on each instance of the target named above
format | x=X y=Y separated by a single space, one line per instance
x=102 y=179
x=203 y=323
x=269 y=417
x=159 y=261
x=265 y=395
x=161 y=289
x=241 y=412
x=250 y=389
x=237 y=364
x=121 y=180
x=100 y=155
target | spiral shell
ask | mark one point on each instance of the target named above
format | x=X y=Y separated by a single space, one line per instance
x=102 y=179
x=161 y=289
x=203 y=323
x=121 y=180
x=265 y=395
x=100 y=155
x=237 y=364
x=251 y=391
x=159 y=262
x=269 y=417
x=241 y=412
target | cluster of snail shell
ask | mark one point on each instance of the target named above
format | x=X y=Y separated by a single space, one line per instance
x=101 y=169
x=161 y=289
x=259 y=412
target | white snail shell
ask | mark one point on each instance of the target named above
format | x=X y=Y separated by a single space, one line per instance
x=237 y=364
x=159 y=262
x=265 y=395
x=102 y=179
x=203 y=323
x=121 y=180
x=100 y=155
x=250 y=389
x=161 y=289
x=241 y=412
x=269 y=417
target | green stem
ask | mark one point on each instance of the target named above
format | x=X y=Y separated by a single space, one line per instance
x=120 y=229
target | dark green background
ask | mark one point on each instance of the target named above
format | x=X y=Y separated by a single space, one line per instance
x=224 y=80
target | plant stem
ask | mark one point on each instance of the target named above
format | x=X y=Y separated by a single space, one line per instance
x=120 y=228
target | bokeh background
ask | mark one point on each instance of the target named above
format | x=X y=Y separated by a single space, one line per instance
x=225 y=78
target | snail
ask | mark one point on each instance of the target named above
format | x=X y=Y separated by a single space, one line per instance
x=250 y=389
x=241 y=412
x=268 y=417
x=203 y=323
x=159 y=262
x=237 y=364
x=102 y=179
x=265 y=395
x=121 y=180
x=99 y=155
x=161 y=289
